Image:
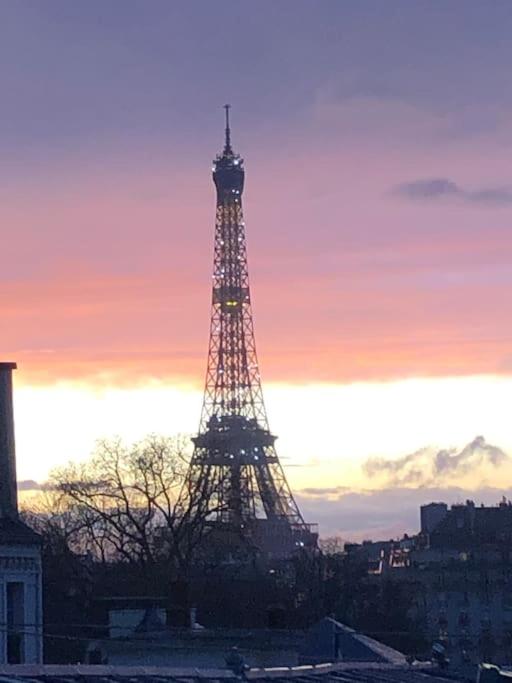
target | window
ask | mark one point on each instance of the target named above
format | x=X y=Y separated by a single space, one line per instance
x=15 y=598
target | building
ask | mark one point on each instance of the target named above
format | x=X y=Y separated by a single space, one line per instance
x=431 y=515
x=456 y=576
x=21 y=631
x=470 y=527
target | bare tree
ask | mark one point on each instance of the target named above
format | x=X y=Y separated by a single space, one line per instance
x=129 y=503
x=332 y=545
x=59 y=526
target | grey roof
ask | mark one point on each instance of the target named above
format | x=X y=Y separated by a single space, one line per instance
x=343 y=673
x=16 y=532
x=330 y=640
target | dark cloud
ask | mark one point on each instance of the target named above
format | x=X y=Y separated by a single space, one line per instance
x=385 y=513
x=492 y=195
x=402 y=468
x=428 y=467
x=404 y=485
x=433 y=189
x=328 y=491
x=29 y=485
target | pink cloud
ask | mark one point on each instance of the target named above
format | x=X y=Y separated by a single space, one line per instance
x=110 y=275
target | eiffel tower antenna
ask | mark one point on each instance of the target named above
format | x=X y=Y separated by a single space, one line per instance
x=227 y=145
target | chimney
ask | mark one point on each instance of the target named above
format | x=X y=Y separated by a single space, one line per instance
x=8 y=487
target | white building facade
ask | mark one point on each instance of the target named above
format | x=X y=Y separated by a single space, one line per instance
x=21 y=618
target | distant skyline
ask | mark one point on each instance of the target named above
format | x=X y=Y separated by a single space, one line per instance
x=377 y=144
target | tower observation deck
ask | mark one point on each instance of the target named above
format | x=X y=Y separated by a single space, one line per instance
x=234 y=468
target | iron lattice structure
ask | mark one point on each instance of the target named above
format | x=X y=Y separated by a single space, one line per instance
x=234 y=465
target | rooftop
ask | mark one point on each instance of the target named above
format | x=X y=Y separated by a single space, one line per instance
x=7 y=365
x=347 y=673
x=15 y=532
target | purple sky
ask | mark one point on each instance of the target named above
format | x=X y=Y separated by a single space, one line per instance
x=111 y=78
x=377 y=138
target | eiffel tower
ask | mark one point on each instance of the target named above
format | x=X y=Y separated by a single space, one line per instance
x=234 y=467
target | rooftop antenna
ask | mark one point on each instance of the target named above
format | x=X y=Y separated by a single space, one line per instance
x=227 y=146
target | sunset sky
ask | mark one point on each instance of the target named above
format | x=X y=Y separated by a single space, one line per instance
x=377 y=140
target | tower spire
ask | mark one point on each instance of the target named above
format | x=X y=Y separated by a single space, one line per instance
x=227 y=145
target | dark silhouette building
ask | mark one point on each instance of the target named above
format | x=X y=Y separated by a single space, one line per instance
x=431 y=515
x=471 y=527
